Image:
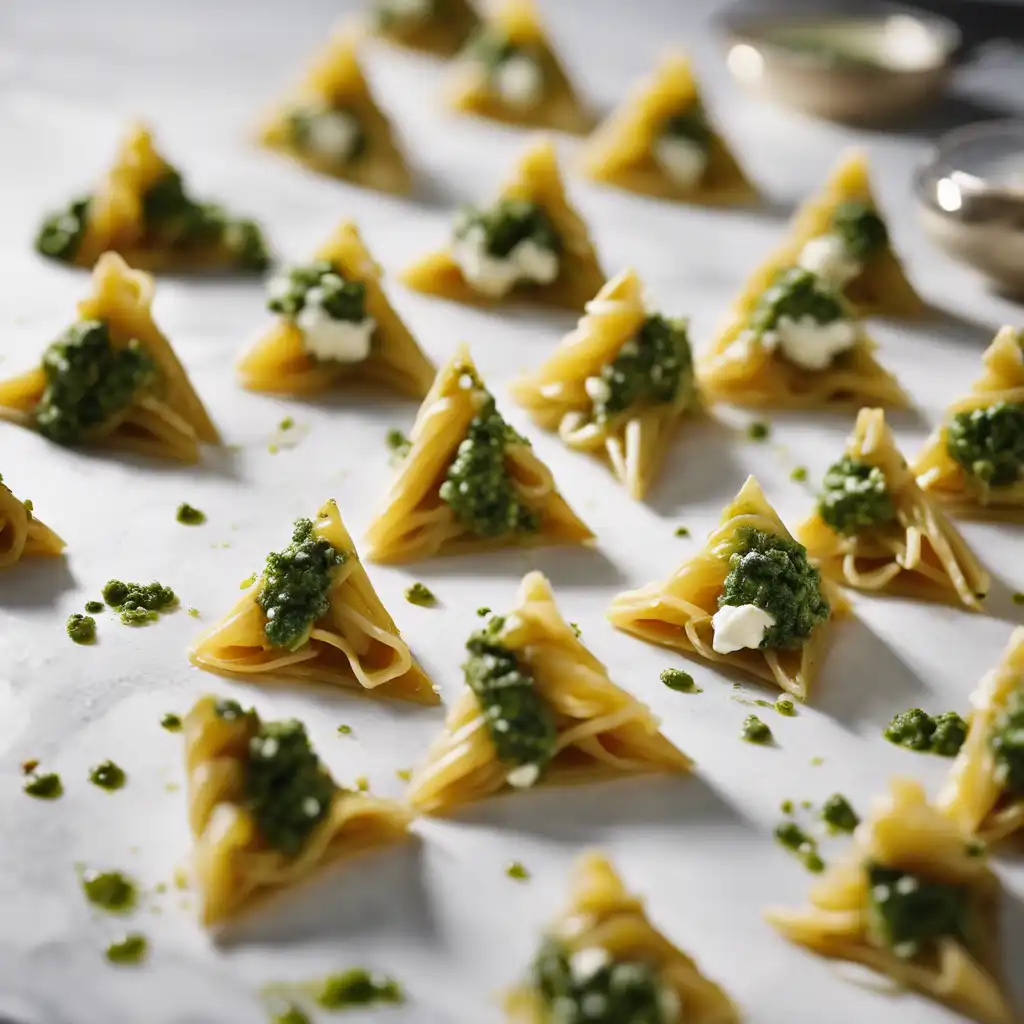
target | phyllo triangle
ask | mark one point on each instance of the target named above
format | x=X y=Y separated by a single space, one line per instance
x=22 y=535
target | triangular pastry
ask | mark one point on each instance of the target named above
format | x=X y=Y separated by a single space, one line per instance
x=312 y=615
x=538 y=709
x=750 y=599
x=618 y=385
x=792 y=341
x=441 y=27
x=974 y=462
x=335 y=327
x=469 y=482
x=913 y=899
x=331 y=123
x=659 y=142
x=984 y=793
x=603 y=949
x=876 y=530
x=529 y=244
x=265 y=813
x=842 y=235
x=509 y=72
x=22 y=535
x=112 y=378
x=142 y=210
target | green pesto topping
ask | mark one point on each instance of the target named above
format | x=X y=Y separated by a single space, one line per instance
x=799 y=474
x=975 y=848
x=139 y=603
x=755 y=731
x=421 y=594
x=110 y=890
x=190 y=516
x=338 y=297
x=1017 y=598
x=398 y=444
x=483 y=611
x=507 y=223
x=94 y=607
x=759 y=431
x=345 y=730
x=358 y=987
x=477 y=486
x=655 y=367
x=916 y=730
x=519 y=722
x=295 y=586
x=790 y=835
x=863 y=232
x=174 y=220
x=89 y=382
x=229 y=710
x=171 y=722
x=129 y=949
x=514 y=869
x=61 y=231
x=795 y=294
x=855 y=497
x=613 y=992
x=677 y=679
x=690 y=125
x=291 y=1015
x=908 y=915
x=490 y=47
x=682 y=531
x=785 y=706
x=81 y=628
x=108 y=775
x=44 y=787
x=1007 y=744
x=773 y=573
x=305 y=119
x=287 y=789
x=837 y=813
x=989 y=443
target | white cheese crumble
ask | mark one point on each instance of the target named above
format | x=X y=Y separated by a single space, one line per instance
x=496 y=277
x=524 y=776
x=683 y=160
x=828 y=257
x=333 y=134
x=739 y=626
x=343 y=341
x=597 y=389
x=809 y=344
x=585 y=963
x=519 y=81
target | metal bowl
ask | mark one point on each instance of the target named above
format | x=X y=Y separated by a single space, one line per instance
x=970 y=197
x=858 y=61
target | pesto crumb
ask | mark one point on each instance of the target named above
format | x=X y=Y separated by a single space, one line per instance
x=362 y=784
x=171 y=722
x=286 y=424
x=682 y=531
x=1018 y=598
x=94 y=607
x=45 y=787
x=786 y=807
x=837 y=813
x=138 y=603
x=189 y=515
x=81 y=628
x=358 y=987
x=799 y=474
x=806 y=804
x=420 y=594
x=405 y=774
x=273 y=449
x=576 y=631
x=397 y=443
x=816 y=762
x=758 y=431
x=755 y=731
x=517 y=871
x=291 y=1015
x=108 y=775
x=129 y=949
x=345 y=730
x=785 y=707
x=483 y=611
x=677 y=679
x=193 y=612
x=975 y=848
x=790 y=835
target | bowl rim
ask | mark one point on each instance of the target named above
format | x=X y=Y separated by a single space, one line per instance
x=940 y=162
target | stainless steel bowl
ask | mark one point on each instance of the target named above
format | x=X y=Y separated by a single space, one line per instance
x=858 y=61
x=970 y=197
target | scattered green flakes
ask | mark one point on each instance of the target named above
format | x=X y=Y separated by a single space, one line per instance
x=576 y=631
x=483 y=611
x=290 y=1015
x=755 y=731
x=171 y=722
x=837 y=813
x=806 y=804
x=799 y=474
x=514 y=869
x=160 y=888
x=286 y=424
x=786 y=707
x=113 y=891
x=357 y=987
x=344 y=730
x=247 y=582
x=362 y=783
x=108 y=775
x=192 y=612
x=139 y=603
x=682 y=531
x=129 y=949
x=917 y=730
x=420 y=594
x=81 y=628
x=398 y=444
x=189 y=515
x=405 y=774
x=786 y=807
x=816 y=762
x=1018 y=598
x=94 y=607
x=790 y=835
x=758 y=431
x=273 y=449
x=45 y=787
x=171 y=787
x=677 y=679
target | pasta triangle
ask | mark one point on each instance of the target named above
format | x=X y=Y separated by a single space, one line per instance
x=538 y=180
x=164 y=417
x=881 y=287
x=481 y=84
x=632 y=440
x=22 y=535
x=248 y=847
x=354 y=643
x=142 y=211
x=627 y=150
x=907 y=856
x=568 y=723
x=331 y=123
x=442 y=30
x=984 y=793
x=913 y=550
x=453 y=496
x=604 y=926
x=280 y=362
x=678 y=613
x=1000 y=390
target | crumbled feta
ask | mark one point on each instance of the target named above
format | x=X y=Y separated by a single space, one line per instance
x=524 y=776
x=739 y=626
x=809 y=344
x=343 y=341
x=683 y=160
x=496 y=277
x=828 y=257
x=333 y=134
x=670 y=1004
x=519 y=81
x=597 y=389
x=585 y=963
